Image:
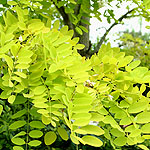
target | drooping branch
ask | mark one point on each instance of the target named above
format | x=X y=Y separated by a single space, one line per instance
x=125 y=16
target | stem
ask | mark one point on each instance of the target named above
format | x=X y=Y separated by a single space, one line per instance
x=108 y=30
x=28 y=117
x=77 y=147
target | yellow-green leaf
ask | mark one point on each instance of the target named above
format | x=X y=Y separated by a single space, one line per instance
x=12 y=3
x=120 y=141
x=8 y=60
x=21 y=74
x=35 y=143
x=137 y=107
x=90 y=129
x=19 y=114
x=143 y=117
x=92 y=140
x=35 y=133
x=36 y=26
x=17 y=124
x=56 y=24
x=1 y=109
x=79 y=30
x=50 y=137
x=143 y=147
x=37 y=124
x=63 y=133
x=39 y=90
x=11 y=99
x=18 y=141
x=146 y=128
x=17 y=148
x=79 y=46
x=80 y=88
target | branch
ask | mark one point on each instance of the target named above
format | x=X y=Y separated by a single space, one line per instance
x=108 y=30
x=66 y=18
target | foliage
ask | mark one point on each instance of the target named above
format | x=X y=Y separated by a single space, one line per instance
x=54 y=92
x=137 y=45
x=76 y=15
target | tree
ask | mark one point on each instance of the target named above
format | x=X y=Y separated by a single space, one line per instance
x=135 y=44
x=76 y=15
x=49 y=91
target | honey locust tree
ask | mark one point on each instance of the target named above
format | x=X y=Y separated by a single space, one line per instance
x=50 y=92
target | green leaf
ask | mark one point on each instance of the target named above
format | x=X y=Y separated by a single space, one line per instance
x=82 y=101
x=126 y=60
x=12 y=3
x=24 y=52
x=72 y=1
x=61 y=40
x=63 y=133
x=139 y=72
x=22 y=25
x=143 y=117
x=80 y=88
x=20 y=100
x=56 y=24
x=59 y=106
x=135 y=133
x=64 y=29
x=143 y=147
x=21 y=74
x=18 y=79
x=97 y=117
x=90 y=129
x=120 y=141
x=19 y=114
x=50 y=137
x=84 y=29
x=17 y=148
x=64 y=47
x=82 y=116
x=17 y=124
x=37 y=124
x=54 y=36
x=1 y=109
x=134 y=64
x=81 y=108
x=36 y=26
x=8 y=60
x=18 y=141
x=22 y=66
x=137 y=107
x=85 y=21
x=11 y=99
x=35 y=133
x=53 y=68
x=116 y=132
x=74 y=139
x=92 y=140
x=35 y=143
x=22 y=133
x=142 y=88
x=39 y=90
x=78 y=30
x=146 y=128
x=125 y=121
x=79 y=46
x=83 y=122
